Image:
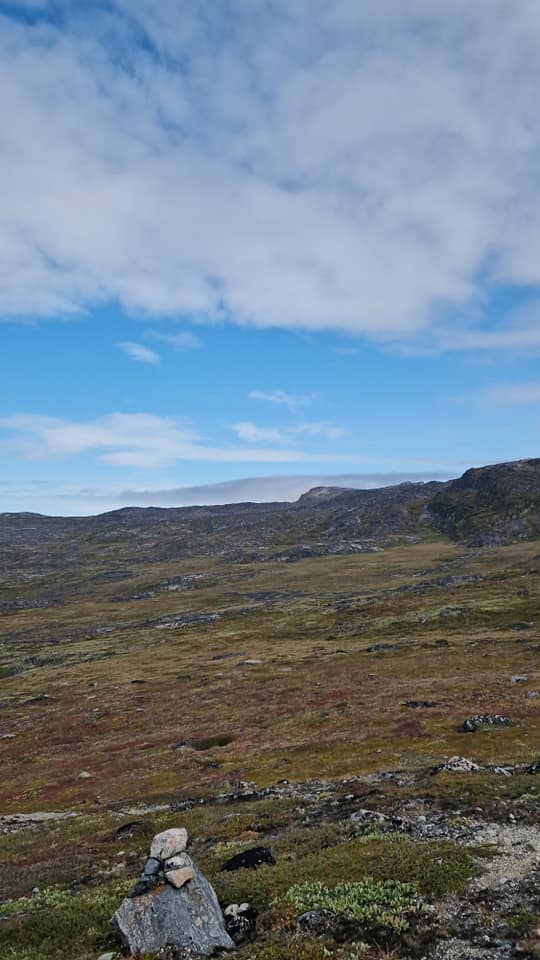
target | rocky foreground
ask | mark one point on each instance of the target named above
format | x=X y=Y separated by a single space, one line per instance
x=473 y=887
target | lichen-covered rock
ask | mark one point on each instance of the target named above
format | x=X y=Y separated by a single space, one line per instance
x=240 y=921
x=457 y=765
x=484 y=721
x=189 y=917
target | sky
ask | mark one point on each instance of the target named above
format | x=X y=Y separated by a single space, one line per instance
x=254 y=245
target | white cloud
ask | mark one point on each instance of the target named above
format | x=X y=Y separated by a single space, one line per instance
x=282 y=398
x=286 y=434
x=139 y=352
x=356 y=166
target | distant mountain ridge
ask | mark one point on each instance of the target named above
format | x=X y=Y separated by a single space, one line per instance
x=496 y=504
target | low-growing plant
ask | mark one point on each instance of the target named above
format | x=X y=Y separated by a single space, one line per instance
x=50 y=897
x=56 y=923
x=384 y=902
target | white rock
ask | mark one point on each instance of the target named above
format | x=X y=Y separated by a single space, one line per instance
x=84 y=775
x=165 y=845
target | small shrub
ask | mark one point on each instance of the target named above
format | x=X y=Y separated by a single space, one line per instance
x=383 y=902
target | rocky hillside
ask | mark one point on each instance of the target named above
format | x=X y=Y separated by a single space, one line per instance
x=490 y=505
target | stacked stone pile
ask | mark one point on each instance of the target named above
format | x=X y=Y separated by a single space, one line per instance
x=172 y=904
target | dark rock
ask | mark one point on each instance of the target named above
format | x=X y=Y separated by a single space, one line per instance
x=151 y=867
x=381 y=647
x=534 y=767
x=249 y=859
x=484 y=721
x=419 y=704
x=144 y=885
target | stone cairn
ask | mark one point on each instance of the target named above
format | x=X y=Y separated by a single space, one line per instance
x=172 y=904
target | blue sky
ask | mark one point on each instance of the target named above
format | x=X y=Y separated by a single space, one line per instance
x=266 y=241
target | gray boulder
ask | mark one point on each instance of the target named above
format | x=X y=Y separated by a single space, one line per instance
x=188 y=916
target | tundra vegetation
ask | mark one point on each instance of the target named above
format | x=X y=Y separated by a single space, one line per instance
x=206 y=672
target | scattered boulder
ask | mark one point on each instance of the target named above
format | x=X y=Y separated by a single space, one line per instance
x=381 y=647
x=484 y=721
x=456 y=765
x=240 y=921
x=84 y=775
x=172 y=906
x=250 y=859
x=533 y=767
x=518 y=679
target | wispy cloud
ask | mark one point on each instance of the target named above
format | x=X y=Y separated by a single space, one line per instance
x=283 y=399
x=358 y=170
x=147 y=440
x=184 y=340
x=510 y=395
x=131 y=440
x=139 y=352
x=286 y=434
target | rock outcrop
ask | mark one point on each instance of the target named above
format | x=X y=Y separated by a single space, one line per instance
x=172 y=904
